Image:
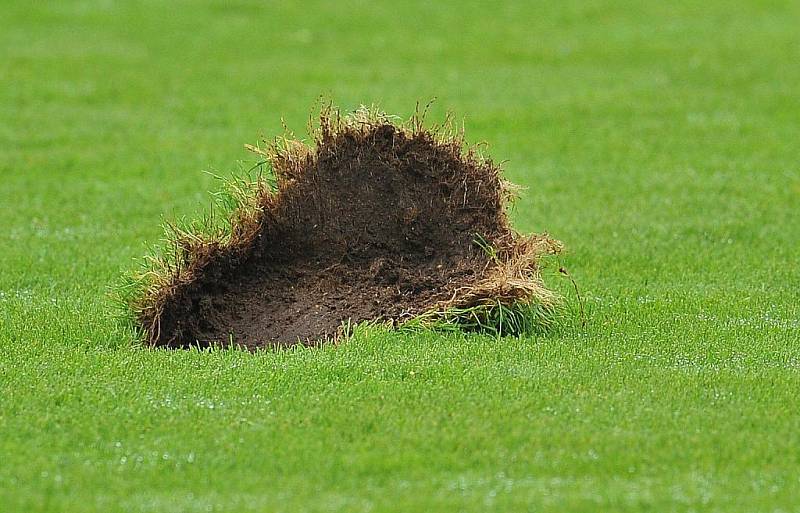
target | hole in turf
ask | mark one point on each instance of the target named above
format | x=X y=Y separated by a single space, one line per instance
x=379 y=220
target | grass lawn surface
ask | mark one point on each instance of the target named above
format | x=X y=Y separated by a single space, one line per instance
x=658 y=140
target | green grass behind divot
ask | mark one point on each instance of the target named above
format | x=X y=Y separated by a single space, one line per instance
x=657 y=140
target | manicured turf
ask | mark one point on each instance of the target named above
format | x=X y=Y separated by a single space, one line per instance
x=659 y=142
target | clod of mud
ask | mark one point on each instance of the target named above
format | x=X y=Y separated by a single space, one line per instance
x=378 y=220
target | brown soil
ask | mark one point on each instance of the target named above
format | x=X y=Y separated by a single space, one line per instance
x=375 y=222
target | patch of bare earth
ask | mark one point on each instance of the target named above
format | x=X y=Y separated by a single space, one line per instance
x=376 y=221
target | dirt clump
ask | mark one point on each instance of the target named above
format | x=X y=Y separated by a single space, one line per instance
x=378 y=220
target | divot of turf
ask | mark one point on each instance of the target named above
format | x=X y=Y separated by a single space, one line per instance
x=378 y=220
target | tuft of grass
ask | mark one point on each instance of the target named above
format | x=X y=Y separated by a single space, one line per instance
x=497 y=319
x=510 y=301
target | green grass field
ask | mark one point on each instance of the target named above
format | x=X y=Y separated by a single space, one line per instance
x=658 y=140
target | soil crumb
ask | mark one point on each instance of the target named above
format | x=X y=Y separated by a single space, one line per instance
x=377 y=220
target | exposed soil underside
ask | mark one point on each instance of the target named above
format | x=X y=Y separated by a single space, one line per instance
x=375 y=224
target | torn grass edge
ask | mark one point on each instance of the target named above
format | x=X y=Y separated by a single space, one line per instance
x=510 y=299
